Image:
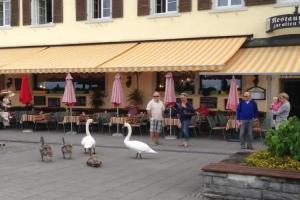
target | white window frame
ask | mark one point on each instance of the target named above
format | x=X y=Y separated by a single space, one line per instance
x=167 y=12
x=229 y=6
x=6 y=13
x=90 y=10
x=35 y=12
x=288 y=2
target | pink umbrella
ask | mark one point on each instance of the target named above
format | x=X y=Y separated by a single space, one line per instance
x=233 y=98
x=170 y=98
x=69 y=97
x=117 y=97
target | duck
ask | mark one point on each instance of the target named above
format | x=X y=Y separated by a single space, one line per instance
x=45 y=150
x=66 y=149
x=137 y=146
x=88 y=142
x=93 y=161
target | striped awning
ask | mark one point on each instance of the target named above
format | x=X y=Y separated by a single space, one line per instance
x=177 y=55
x=267 y=60
x=9 y=55
x=62 y=59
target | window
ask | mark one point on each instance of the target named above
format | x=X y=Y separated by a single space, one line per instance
x=213 y=85
x=4 y=12
x=42 y=11
x=83 y=83
x=99 y=9
x=183 y=82
x=228 y=3
x=165 y=6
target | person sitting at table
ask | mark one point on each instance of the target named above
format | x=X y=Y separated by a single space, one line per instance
x=203 y=110
x=132 y=108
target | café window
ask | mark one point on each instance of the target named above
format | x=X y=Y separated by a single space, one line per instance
x=223 y=4
x=215 y=85
x=83 y=83
x=164 y=6
x=183 y=82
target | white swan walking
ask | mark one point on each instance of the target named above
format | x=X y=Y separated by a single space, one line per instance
x=88 y=142
x=135 y=145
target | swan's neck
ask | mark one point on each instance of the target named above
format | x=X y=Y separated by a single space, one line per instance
x=87 y=129
x=129 y=133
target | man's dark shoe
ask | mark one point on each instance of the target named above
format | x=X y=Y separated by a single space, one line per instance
x=250 y=147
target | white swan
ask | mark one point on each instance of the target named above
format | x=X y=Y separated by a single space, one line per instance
x=137 y=146
x=88 y=142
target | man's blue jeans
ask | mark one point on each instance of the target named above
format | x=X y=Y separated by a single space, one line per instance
x=246 y=135
x=185 y=128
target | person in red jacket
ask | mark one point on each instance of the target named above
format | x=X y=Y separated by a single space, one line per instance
x=203 y=110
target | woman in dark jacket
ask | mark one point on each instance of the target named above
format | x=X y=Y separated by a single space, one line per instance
x=186 y=111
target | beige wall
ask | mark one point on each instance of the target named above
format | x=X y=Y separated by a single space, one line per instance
x=192 y=24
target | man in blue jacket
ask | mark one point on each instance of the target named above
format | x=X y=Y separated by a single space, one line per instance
x=246 y=113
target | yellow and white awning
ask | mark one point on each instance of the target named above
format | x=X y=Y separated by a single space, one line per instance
x=61 y=59
x=177 y=55
x=267 y=60
x=10 y=55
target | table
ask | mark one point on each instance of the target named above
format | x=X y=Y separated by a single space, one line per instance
x=32 y=118
x=172 y=122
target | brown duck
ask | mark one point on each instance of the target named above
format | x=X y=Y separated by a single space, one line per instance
x=66 y=149
x=45 y=150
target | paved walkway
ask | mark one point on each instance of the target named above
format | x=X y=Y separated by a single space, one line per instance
x=173 y=173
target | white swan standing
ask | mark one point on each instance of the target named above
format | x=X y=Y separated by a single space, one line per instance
x=135 y=145
x=88 y=142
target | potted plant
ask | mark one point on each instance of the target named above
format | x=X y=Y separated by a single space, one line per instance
x=136 y=96
x=97 y=98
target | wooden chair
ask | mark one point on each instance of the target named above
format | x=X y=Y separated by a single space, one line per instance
x=213 y=126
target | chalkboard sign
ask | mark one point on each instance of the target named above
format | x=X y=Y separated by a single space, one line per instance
x=210 y=102
x=53 y=102
x=39 y=100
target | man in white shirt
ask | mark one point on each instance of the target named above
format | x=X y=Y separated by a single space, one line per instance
x=155 y=109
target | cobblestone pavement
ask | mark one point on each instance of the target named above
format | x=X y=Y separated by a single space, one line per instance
x=173 y=173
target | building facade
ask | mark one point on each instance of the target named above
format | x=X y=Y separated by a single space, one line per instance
x=40 y=24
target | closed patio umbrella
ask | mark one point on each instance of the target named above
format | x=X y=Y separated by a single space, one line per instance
x=170 y=99
x=69 y=97
x=25 y=96
x=233 y=97
x=117 y=97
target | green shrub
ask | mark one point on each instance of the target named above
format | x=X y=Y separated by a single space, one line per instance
x=266 y=159
x=286 y=140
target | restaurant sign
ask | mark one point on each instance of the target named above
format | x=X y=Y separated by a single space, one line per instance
x=283 y=21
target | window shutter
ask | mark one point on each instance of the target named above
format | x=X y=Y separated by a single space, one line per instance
x=259 y=2
x=204 y=4
x=15 y=12
x=58 y=11
x=185 y=5
x=26 y=12
x=143 y=7
x=117 y=8
x=81 y=10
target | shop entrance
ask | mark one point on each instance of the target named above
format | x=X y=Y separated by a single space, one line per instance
x=292 y=87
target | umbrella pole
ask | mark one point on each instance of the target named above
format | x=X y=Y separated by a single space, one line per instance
x=118 y=121
x=27 y=118
x=171 y=136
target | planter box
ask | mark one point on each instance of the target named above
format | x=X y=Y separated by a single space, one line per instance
x=229 y=180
